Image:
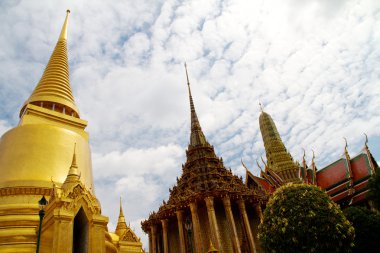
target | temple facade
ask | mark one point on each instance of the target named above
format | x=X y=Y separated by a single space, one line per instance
x=344 y=180
x=209 y=209
x=48 y=154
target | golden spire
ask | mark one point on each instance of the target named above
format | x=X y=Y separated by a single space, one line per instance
x=279 y=159
x=313 y=159
x=63 y=35
x=73 y=175
x=53 y=90
x=121 y=227
x=212 y=249
x=197 y=137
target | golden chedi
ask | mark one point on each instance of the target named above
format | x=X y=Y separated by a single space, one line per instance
x=37 y=157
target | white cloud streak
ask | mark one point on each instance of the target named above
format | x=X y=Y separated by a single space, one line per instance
x=313 y=64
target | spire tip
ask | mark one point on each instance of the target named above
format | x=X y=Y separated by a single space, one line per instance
x=187 y=75
x=63 y=35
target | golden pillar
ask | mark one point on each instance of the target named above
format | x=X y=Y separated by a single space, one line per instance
x=231 y=221
x=213 y=223
x=196 y=227
x=165 y=235
x=247 y=226
x=259 y=212
x=153 y=231
x=180 y=230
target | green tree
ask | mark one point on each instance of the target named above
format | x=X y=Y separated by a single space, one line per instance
x=374 y=189
x=367 y=227
x=302 y=218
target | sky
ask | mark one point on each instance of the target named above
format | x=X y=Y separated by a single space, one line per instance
x=314 y=66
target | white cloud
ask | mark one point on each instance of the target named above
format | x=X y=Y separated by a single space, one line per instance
x=313 y=65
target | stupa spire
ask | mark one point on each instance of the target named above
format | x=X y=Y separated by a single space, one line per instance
x=279 y=159
x=121 y=227
x=73 y=175
x=197 y=137
x=63 y=35
x=53 y=90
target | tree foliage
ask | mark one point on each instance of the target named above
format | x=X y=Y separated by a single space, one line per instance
x=367 y=227
x=374 y=189
x=302 y=218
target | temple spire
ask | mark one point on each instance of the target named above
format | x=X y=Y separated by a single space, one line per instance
x=121 y=227
x=53 y=90
x=197 y=137
x=279 y=159
x=73 y=175
x=63 y=35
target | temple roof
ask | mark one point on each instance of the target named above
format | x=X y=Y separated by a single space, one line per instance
x=54 y=85
x=204 y=175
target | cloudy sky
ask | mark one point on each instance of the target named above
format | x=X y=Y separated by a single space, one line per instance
x=314 y=65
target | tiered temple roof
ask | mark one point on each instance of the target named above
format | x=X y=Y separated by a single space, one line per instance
x=204 y=174
x=344 y=180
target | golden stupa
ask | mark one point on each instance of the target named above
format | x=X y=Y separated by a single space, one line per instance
x=38 y=158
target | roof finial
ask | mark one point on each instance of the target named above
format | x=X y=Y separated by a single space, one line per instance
x=196 y=137
x=73 y=171
x=257 y=162
x=74 y=161
x=346 y=150
x=121 y=226
x=242 y=163
x=366 y=140
x=313 y=155
x=121 y=208
x=187 y=75
x=63 y=35
x=304 y=159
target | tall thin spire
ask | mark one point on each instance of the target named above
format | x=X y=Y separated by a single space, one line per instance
x=73 y=175
x=63 y=35
x=197 y=137
x=53 y=90
x=121 y=227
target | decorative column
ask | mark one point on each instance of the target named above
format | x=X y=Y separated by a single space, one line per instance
x=180 y=230
x=153 y=231
x=165 y=235
x=150 y=242
x=231 y=221
x=247 y=226
x=197 y=227
x=259 y=211
x=213 y=223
